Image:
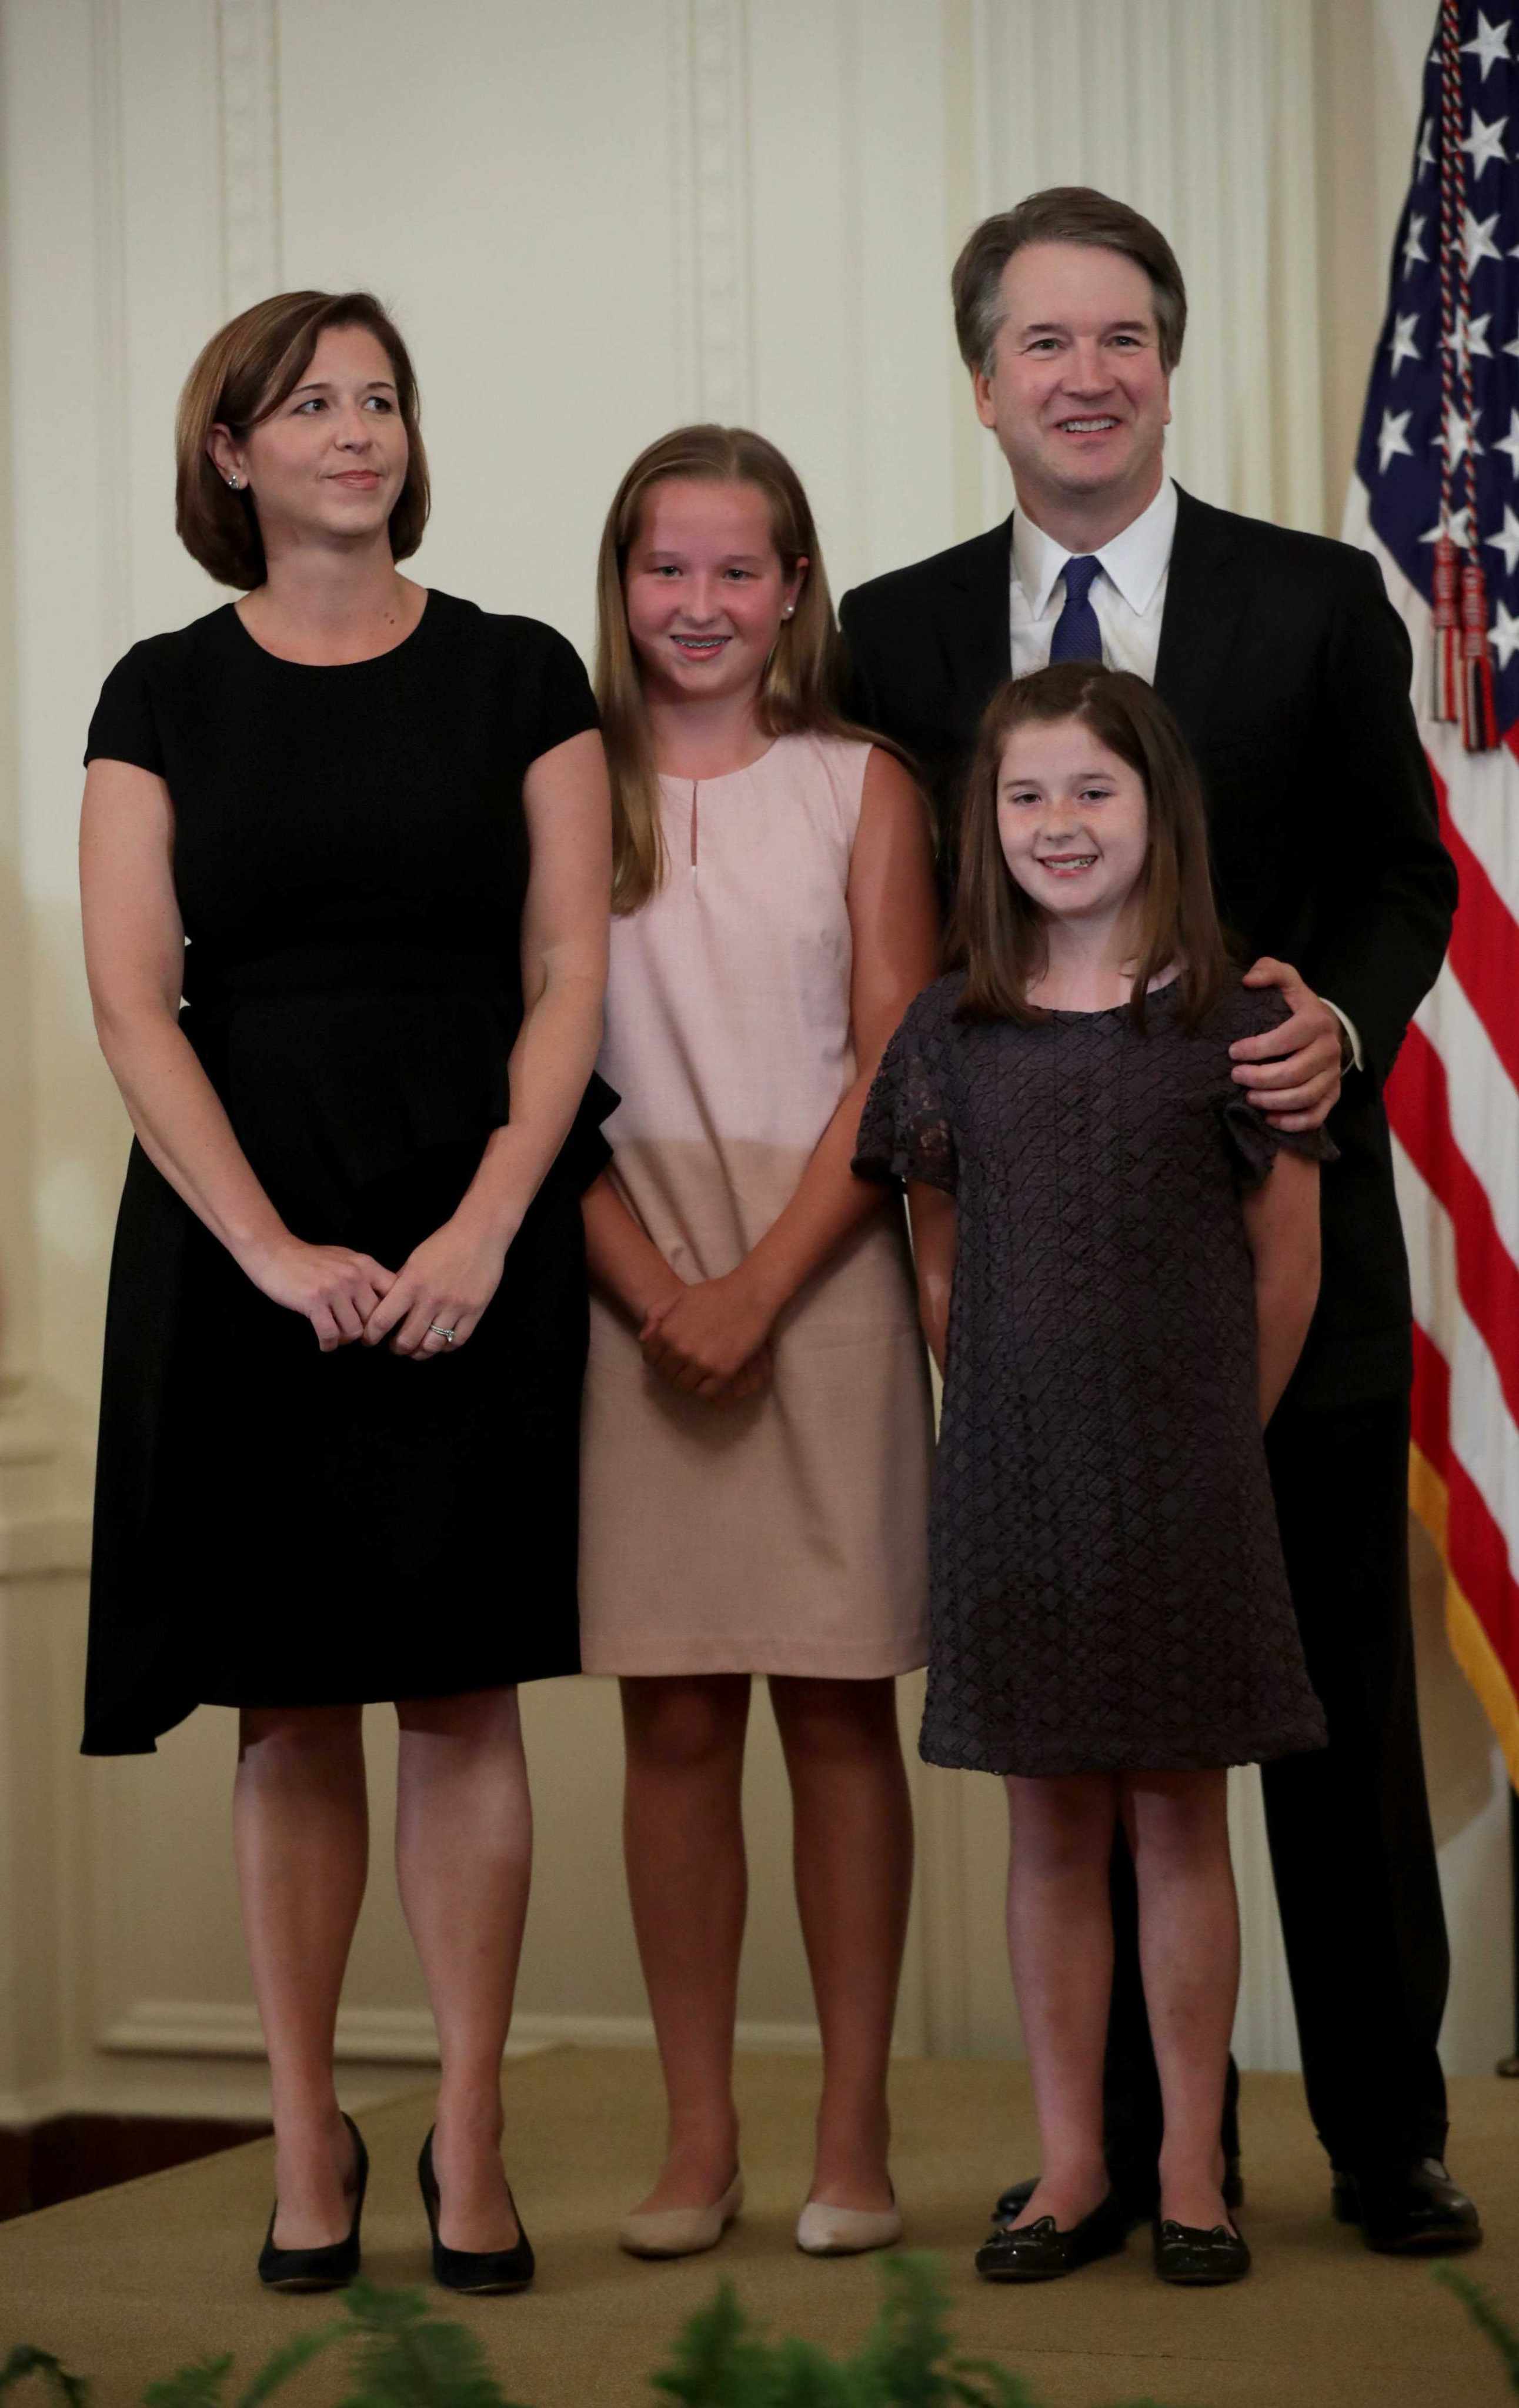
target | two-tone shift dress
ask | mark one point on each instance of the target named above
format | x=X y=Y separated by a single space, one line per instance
x=786 y=1534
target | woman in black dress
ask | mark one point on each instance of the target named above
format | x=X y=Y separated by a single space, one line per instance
x=362 y=830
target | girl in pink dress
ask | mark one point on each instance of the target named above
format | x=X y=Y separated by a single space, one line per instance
x=757 y=1419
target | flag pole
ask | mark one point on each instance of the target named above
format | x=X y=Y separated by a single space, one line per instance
x=1508 y=2066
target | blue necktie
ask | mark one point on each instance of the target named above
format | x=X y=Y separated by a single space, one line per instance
x=1077 y=635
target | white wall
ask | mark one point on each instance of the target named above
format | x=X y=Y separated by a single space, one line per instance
x=593 y=221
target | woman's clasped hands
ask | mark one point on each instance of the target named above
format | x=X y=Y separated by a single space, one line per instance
x=334 y=1287
x=430 y=1307
x=712 y=1338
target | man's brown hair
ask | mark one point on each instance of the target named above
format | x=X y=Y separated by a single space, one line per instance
x=1000 y=931
x=241 y=377
x=1065 y=213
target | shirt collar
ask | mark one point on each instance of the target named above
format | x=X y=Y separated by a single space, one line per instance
x=1135 y=560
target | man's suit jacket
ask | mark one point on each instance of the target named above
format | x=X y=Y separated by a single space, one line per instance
x=1288 y=670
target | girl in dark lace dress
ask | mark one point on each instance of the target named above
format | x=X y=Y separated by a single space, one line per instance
x=1117 y=1262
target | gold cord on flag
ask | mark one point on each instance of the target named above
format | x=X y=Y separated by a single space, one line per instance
x=1463 y=666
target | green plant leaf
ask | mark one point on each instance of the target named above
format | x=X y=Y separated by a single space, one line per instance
x=905 y=2353
x=408 y=2357
x=1486 y=2318
x=800 y=2375
x=719 y=2362
x=24 y=2360
x=296 y=2353
x=194 y=2387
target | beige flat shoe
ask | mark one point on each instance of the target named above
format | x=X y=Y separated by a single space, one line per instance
x=680 y=2231
x=846 y=2231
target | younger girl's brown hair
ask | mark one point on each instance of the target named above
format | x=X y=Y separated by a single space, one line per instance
x=247 y=370
x=798 y=691
x=1000 y=931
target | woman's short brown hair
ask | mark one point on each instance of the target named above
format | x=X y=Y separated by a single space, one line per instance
x=241 y=377
x=999 y=933
x=1065 y=213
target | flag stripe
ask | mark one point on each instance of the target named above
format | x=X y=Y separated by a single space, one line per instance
x=1480 y=788
x=1469 y=1643
x=1474 y=1544
x=1480 y=1429
x=1482 y=1105
x=1485 y=942
x=1486 y=1277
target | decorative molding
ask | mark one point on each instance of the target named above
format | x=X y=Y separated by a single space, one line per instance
x=401 y=2035
x=21 y=2109
x=1265 y=2024
x=248 y=65
x=750 y=2038
x=115 y=584
x=713 y=195
x=196 y=2027
x=50 y=1545
x=945 y=1941
x=37 y=1535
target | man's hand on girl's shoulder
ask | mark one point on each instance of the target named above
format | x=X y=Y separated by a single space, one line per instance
x=1292 y=1072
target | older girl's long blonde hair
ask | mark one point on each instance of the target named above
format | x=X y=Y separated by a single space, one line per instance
x=798 y=690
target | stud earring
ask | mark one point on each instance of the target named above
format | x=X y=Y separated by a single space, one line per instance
x=235 y=482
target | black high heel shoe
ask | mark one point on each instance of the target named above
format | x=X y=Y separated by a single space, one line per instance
x=472 y=2269
x=329 y=2268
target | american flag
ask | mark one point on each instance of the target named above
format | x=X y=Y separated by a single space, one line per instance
x=1439 y=454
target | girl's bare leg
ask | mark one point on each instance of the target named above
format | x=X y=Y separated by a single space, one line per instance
x=300 y=1839
x=688 y=1882
x=463 y=1856
x=852 y=1848
x=1060 y=1942
x=1189 y=1957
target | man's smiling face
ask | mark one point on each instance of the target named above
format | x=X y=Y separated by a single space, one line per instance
x=1077 y=397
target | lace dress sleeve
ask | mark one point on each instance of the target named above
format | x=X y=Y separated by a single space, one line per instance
x=1255 y=1142
x=906 y=1132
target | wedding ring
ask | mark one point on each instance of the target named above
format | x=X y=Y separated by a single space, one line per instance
x=446 y=1335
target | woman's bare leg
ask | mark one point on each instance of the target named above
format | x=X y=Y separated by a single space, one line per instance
x=463 y=1856
x=688 y=1882
x=852 y=1849
x=1189 y=1957
x=1060 y=1942
x=300 y=1838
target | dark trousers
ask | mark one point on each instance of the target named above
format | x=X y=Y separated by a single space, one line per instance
x=1352 y=1847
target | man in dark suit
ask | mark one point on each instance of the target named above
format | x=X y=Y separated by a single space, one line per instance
x=1289 y=673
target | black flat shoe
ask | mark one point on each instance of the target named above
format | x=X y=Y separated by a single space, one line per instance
x=1415 y=2210
x=472 y=2269
x=1038 y=2252
x=1191 y=2253
x=1138 y=2199
x=329 y=2268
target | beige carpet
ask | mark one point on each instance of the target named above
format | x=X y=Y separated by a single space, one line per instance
x=132 y=2283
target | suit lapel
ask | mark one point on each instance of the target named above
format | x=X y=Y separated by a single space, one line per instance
x=1203 y=606
x=1198 y=633
x=978 y=626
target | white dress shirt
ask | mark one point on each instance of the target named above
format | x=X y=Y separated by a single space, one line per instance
x=1129 y=593
x=1128 y=596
